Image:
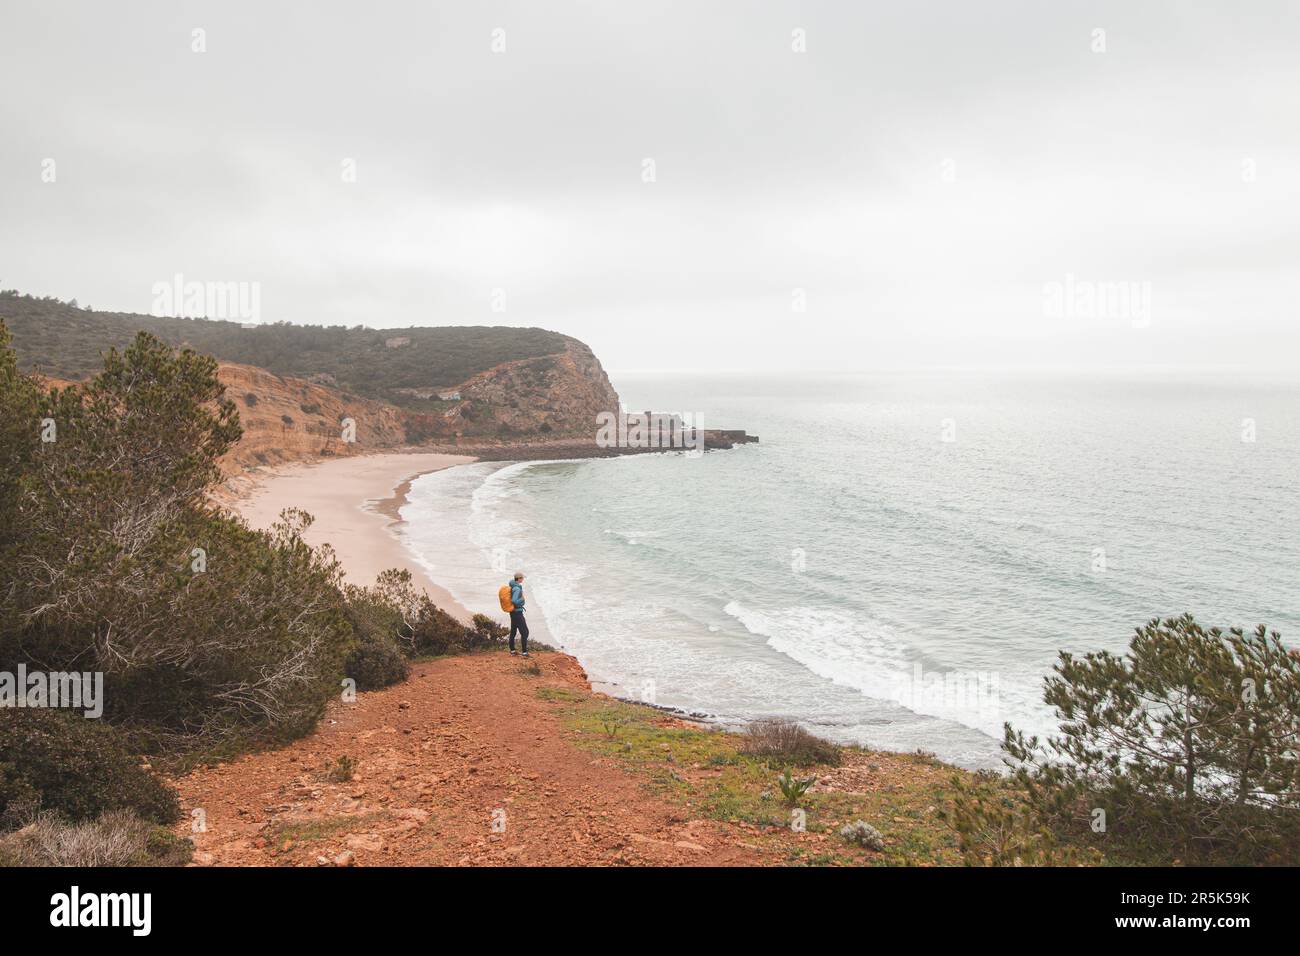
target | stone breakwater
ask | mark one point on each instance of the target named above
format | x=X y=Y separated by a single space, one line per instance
x=714 y=440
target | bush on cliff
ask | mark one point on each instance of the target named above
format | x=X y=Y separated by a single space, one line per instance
x=376 y=662
x=63 y=763
x=377 y=659
x=113 y=559
x=437 y=632
x=786 y=742
x=995 y=826
x=418 y=626
x=1182 y=749
x=488 y=633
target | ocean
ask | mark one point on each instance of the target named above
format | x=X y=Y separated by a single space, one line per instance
x=899 y=560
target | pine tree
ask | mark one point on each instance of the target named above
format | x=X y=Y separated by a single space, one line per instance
x=1187 y=741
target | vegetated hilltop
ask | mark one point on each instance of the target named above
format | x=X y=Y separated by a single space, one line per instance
x=448 y=382
x=65 y=341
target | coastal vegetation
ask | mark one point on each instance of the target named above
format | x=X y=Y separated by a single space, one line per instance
x=69 y=766
x=117 y=838
x=211 y=638
x=896 y=797
x=1182 y=750
x=785 y=741
x=64 y=340
x=394 y=623
x=296 y=385
x=1216 y=708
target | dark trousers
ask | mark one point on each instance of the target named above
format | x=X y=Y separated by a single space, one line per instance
x=518 y=624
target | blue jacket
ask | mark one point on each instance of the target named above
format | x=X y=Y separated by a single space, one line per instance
x=517 y=595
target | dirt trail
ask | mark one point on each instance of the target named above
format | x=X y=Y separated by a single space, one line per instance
x=465 y=738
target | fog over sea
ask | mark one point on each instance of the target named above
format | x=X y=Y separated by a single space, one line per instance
x=899 y=560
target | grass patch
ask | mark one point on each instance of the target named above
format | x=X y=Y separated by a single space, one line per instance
x=559 y=694
x=313 y=831
x=717 y=775
x=116 y=838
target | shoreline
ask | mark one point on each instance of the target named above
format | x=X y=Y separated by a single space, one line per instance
x=376 y=485
x=259 y=497
x=356 y=503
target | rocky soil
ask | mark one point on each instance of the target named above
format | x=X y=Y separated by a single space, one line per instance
x=464 y=764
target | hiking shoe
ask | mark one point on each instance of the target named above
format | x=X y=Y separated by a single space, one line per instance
x=512 y=654
x=525 y=653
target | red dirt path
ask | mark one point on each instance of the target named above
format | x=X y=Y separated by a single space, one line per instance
x=436 y=756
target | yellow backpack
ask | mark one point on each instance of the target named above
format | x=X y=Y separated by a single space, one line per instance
x=507 y=605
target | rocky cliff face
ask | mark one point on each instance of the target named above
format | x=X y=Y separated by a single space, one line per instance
x=549 y=396
x=288 y=419
x=552 y=394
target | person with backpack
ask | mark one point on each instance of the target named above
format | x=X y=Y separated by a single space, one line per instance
x=512 y=601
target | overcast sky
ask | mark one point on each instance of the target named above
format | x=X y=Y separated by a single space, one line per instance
x=915 y=179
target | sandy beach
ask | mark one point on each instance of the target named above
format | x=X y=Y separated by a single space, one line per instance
x=355 y=502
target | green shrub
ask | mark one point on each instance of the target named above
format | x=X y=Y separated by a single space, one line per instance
x=376 y=662
x=435 y=632
x=78 y=768
x=995 y=826
x=380 y=632
x=488 y=632
x=421 y=628
x=1184 y=748
x=793 y=788
x=20 y=801
x=97 y=555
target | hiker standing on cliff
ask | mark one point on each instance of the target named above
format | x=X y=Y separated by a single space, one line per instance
x=514 y=603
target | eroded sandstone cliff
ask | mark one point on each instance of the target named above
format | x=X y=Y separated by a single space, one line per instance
x=288 y=420
x=544 y=398
x=558 y=395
